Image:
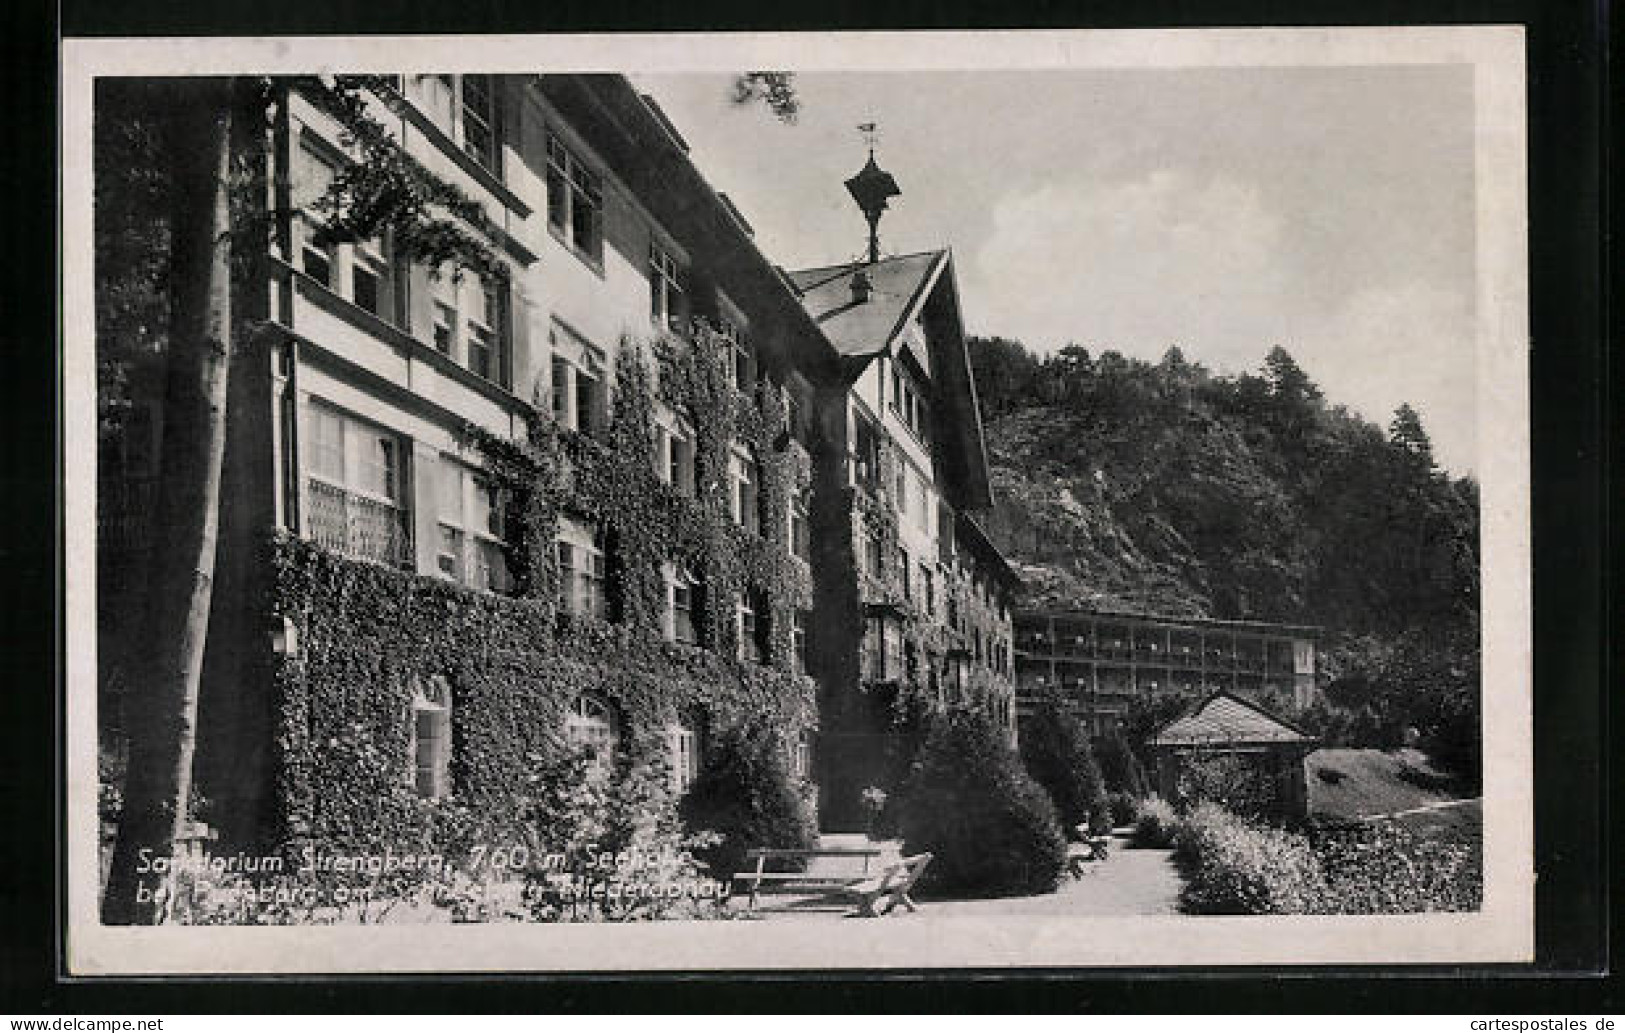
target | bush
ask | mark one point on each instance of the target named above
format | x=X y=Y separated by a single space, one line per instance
x=1233 y=868
x=1236 y=783
x=1155 y=822
x=1057 y=755
x=1382 y=867
x=746 y=796
x=1125 y=808
x=1120 y=768
x=992 y=829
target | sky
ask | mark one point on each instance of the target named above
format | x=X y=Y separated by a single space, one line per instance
x=1329 y=210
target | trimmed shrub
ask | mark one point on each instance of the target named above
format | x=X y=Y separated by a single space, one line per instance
x=1057 y=755
x=1233 y=868
x=992 y=829
x=1125 y=808
x=1382 y=867
x=1155 y=824
x=746 y=796
x=1120 y=768
x=1233 y=782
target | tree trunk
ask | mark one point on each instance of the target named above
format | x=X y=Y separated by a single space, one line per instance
x=162 y=708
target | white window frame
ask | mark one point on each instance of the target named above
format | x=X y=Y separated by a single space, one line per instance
x=580 y=185
x=591 y=722
x=682 y=581
x=666 y=295
x=478 y=559
x=583 y=587
x=430 y=771
x=686 y=752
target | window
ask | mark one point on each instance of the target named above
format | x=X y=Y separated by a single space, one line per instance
x=747 y=628
x=437 y=96
x=587 y=409
x=369 y=278
x=358 y=271
x=591 y=726
x=578 y=401
x=801 y=756
x=800 y=528
x=480 y=119
x=865 y=452
x=575 y=201
x=665 y=289
x=561 y=391
x=900 y=486
x=682 y=474
x=471 y=527
x=928 y=590
x=445 y=326
x=798 y=641
x=747 y=488
x=871 y=553
x=909 y=402
x=466 y=108
x=742 y=369
x=581 y=577
x=662 y=453
x=431 y=739
x=355 y=505
x=683 y=741
x=482 y=350
x=684 y=609
x=905 y=573
x=470 y=324
x=881 y=660
x=312 y=177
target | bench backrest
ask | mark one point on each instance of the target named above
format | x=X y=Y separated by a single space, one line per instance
x=901 y=875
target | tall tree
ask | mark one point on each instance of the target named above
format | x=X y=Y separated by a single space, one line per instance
x=162 y=726
x=1407 y=434
x=204 y=126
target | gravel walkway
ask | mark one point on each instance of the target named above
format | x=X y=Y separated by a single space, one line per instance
x=1128 y=882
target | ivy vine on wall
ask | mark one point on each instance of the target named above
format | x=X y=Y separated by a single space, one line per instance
x=369 y=635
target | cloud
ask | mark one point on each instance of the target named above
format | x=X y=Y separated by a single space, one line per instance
x=1402 y=343
x=1206 y=262
x=1134 y=265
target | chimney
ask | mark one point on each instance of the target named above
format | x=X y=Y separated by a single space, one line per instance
x=860 y=287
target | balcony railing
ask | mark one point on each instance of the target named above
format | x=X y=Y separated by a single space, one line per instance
x=358 y=526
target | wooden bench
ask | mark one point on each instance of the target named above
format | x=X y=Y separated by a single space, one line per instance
x=891 y=888
x=760 y=880
x=1087 y=848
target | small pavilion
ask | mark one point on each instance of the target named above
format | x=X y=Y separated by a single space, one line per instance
x=1226 y=725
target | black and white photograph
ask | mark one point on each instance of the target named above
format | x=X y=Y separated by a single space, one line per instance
x=950 y=500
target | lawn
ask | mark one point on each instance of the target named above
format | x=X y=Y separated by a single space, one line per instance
x=1347 y=784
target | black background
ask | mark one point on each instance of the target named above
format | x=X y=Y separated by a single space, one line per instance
x=1573 y=426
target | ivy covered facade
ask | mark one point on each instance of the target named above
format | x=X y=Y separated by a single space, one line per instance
x=613 y=485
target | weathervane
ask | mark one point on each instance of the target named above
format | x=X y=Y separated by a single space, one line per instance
x=871 y=188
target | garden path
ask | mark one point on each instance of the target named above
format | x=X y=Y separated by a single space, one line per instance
x=1129 y=882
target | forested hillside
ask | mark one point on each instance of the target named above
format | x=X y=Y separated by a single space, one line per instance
x=1163 y=488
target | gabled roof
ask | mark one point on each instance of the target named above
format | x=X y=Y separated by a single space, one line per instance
x=902 y=288
x=1226 y=719
x=899 y=286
